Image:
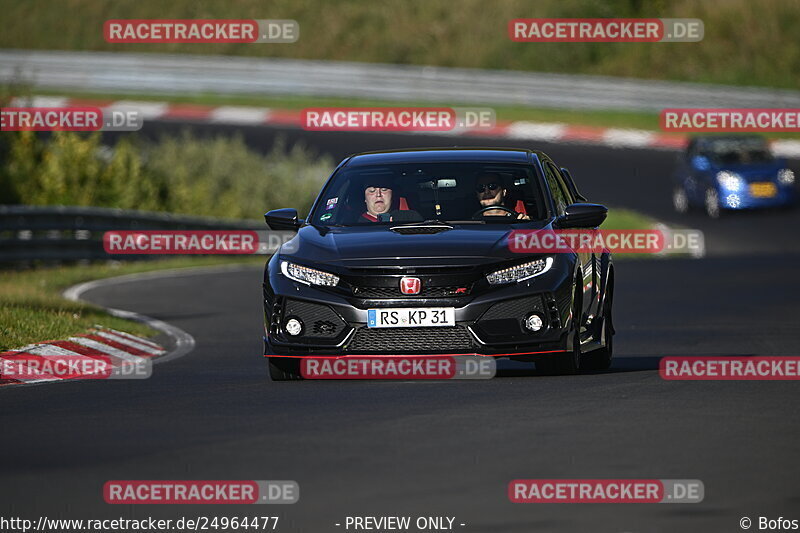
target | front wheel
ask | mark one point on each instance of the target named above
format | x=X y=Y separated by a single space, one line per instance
x=712 y=203
x=680 y=200
x=284 y=369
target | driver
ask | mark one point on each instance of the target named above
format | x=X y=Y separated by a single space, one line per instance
x=490 y=191
x=378 y=199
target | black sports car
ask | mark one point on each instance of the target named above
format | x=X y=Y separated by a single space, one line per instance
x=407 y=252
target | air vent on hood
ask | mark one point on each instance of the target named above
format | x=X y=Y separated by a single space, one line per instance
x=421 y=230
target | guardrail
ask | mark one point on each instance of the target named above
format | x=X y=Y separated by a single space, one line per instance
x=68 y=234
x=163 y=74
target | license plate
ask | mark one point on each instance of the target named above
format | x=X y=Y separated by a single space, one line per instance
x=763 y=189
x=411 y=317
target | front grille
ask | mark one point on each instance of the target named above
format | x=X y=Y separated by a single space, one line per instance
x=516 y=309
x=426 y=292
x=398 y=340
x=320 y=320
x=502 y=323
x=412 y=270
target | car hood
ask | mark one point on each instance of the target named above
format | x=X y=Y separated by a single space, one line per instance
x=377 y=246
x=754 y=170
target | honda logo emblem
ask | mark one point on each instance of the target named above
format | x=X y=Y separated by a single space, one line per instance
x=410 y=285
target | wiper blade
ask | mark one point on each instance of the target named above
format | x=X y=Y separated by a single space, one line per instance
x=504 y=220
x=435 y=221
x=429 y=222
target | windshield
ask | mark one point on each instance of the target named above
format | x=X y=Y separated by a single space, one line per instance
x=431 y=192
x=741 y=151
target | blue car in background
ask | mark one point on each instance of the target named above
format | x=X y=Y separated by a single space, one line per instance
x=728 y=173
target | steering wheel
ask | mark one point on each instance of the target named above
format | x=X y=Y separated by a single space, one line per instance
x=483 y=210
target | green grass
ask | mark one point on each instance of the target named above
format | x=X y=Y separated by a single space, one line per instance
x=625 y=219
x=33 y=310
x=746 y=42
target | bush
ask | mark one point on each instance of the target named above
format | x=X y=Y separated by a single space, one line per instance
x=217 y=177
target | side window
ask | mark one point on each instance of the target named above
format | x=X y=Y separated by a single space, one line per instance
x=559 y=198
x=562 y=184
x=333 y=206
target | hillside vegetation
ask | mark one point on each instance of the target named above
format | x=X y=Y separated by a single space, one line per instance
x=746 y=42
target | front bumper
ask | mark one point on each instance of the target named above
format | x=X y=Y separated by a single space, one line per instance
x=488 y=324
x=784 y=197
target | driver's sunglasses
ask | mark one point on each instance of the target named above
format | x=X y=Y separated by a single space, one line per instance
x=490 y=186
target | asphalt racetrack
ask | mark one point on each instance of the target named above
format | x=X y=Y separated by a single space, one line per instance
x=414 y=448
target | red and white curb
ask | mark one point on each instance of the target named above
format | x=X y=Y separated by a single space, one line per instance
x=518 y=130
x=122 y=348
x=117 y=347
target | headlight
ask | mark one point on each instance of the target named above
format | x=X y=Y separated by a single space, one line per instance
x=520 y=272
x=309 y=276
x=785 y=176
x=729 y=180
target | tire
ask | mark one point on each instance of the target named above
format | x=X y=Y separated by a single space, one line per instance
x=284 y=369
x=570 y=362
x=601 y=358
x=711 y=203
x=680 y=201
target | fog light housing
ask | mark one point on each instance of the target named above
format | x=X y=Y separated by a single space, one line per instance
x=733 y=201
x=730 y=180
x=294 y=327
x=533 y=322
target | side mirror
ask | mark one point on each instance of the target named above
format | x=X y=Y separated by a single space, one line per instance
x=283 y=219
x=582 y=216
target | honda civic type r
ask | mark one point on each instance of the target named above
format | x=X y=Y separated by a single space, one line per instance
x=407 y=253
